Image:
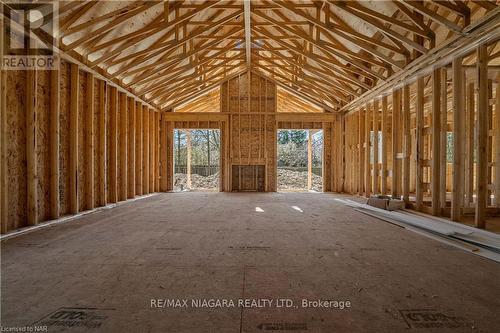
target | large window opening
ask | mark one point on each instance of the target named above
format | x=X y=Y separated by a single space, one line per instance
x=196 y=160
x=300 y=160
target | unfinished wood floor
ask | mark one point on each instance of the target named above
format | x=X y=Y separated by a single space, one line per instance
x=104 y=269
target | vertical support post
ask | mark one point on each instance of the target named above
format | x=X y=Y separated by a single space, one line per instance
x=170 y=155
x=343 y=147
x=3 y=141
x=309 y=160
x=490 y=182
x=355 y=156
x=443 y=139
x=145 y=171
x=436 y=138
x=497 y=143
x=156 y=146
x=102 y=143
x=368 y=119
x=139 y=165
x=3 y=138
x=152 y=153
x=131 y=147
x=406 y=144
x=123 y=147
x=73 y=140
x=351 y=128
x=163 y=153
x=458 y=148
x=113 y=163
x=375 y=146
x=188 y=177
x=54 y=143
x=419 y=141
x=383 y=165
x=89 y=144
x=31 y=160
x=223 y=182
x=469 y=177
x=482 y=136
x=361 y=155
x=166 y=9
x=396 y=113
x=157 y=151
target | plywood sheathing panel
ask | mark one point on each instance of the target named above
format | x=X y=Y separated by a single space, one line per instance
x=113 y=145
x=89 y=142
x=97 y=143
x=108 y=140
x=131 y=146
x=64 y=138
x=42 y=145
x=146 y=149
x=119 y=171
x=252 y=128
x=82 y=139
x=123 y=125
x=16 y=151
x=251 y=102
x=16 y=138
x=139 y=139
x=151 y=170
x=271 y=153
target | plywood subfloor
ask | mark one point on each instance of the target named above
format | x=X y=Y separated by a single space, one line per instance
x=105 y=268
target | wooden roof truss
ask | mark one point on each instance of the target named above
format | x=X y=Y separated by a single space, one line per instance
x=328 y=51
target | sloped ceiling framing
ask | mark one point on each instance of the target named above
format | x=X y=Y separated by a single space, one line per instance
x=329 y=52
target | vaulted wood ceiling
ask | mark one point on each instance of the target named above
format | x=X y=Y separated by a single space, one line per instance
x=329 y=52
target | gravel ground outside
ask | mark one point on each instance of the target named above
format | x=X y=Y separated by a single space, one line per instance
x=288 y=180
x=210 y=183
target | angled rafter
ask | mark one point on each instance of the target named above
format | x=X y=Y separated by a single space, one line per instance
x=189 y=78
x=323 y=80
x=208 y=84
x=75 y=15
x=303 y=92
x=336 y=67
x=321 y=72
x=362 y=13
x=195 y=94
x=68 y=30
x=177 y=73
x=327 y=29
x=173 y=44
x=417 y=20
x=88 y=37
x=313 y=91
x=422 y=9
x=184 y=46
x=165 y=69
x=318 y=83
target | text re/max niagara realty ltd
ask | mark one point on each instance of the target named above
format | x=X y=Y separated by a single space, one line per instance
x=214 y=303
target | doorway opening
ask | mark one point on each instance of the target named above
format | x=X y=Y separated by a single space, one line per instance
x=300 y=160
x=196 y=160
